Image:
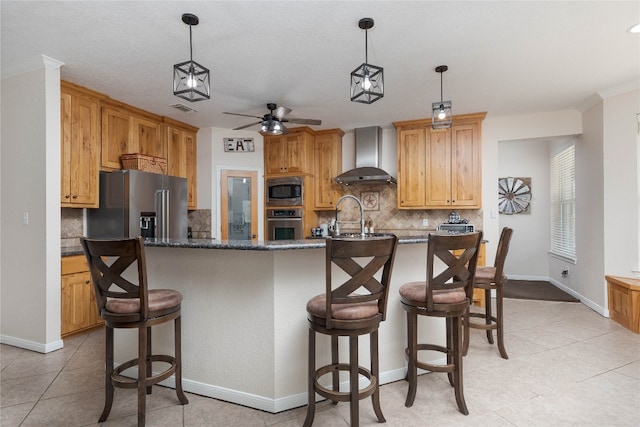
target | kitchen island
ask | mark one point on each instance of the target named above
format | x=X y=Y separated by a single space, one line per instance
x=244 y=327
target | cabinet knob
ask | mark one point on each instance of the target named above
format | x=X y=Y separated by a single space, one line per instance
x=67 y=196
x=87 y=281
x=75 y=196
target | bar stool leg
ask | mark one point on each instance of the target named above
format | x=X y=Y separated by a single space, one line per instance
x=177 y=336
x=457 y=359
x=450 y=348
x=108 y=372
x=375 y=370
x=311 y=407
x=488 y=315
x=148 y=358
x=353 y=381
x=412 y=342
x=142 y=372
x=335 y=360
x=500 y=329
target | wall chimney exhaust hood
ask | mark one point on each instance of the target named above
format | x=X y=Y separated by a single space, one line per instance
x=367 y=171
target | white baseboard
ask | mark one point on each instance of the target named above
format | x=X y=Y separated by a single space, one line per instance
x=32 y=345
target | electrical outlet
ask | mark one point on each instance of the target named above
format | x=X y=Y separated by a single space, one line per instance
x=425 y=222
x=25 y=218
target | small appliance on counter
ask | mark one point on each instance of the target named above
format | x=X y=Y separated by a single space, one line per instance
x=457 y=225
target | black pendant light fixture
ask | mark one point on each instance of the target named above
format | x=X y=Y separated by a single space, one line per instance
x=190 y=79
x=367 y=81
x=442 y=114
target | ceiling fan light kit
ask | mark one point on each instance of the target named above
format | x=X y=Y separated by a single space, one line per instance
x=441 y=112
x=367 y=81
x=272 y=122
x=191 y=80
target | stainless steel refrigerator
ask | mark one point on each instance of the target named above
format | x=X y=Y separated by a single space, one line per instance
x=135 y=203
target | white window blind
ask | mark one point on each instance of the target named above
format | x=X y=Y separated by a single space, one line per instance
x=563 y=204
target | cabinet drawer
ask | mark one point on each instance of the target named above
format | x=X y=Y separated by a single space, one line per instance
x=74 y=264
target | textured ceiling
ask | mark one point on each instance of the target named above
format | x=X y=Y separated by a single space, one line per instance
x=505 y=57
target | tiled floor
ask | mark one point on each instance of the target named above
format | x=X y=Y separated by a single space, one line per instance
x=567 y=366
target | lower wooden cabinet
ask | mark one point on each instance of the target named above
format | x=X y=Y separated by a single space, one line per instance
x=478 y=294
x=78 y=305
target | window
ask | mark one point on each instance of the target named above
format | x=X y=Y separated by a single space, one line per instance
x=563 y=204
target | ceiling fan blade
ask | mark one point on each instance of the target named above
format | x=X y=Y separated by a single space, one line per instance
x=243 y=115
x=303 y=121
x=280 y=112
x=246 y=126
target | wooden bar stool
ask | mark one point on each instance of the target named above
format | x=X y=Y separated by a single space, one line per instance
x=488 y=279
x=444 y=294
x=353 y=308
x=125 y=304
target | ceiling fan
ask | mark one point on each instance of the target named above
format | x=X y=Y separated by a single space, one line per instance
x=272 y=122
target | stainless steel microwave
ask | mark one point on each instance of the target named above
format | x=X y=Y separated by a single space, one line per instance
x=284 y=191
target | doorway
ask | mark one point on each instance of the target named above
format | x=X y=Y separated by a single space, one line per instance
x=239 y=205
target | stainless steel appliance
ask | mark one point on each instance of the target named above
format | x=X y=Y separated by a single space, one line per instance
x=135 y=203
x=285 y=191
x=458 y=228
x=284 y=224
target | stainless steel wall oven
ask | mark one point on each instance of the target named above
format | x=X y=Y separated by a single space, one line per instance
x=284 y=224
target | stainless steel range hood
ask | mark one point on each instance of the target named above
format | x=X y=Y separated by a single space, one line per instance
x=367 y=171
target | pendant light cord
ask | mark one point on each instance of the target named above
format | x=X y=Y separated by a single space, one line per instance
x=366 y=46
x=190 y=44
x=441 y=98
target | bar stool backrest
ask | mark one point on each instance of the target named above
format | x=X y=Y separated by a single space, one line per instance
x=459 y=253
x=107 y=276
x=362 y=286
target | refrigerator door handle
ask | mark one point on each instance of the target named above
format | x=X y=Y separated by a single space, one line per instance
x=162 y=214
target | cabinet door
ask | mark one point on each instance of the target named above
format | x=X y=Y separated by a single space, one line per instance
x=327 y=158
x=177 y=153
x=438 y=167
x=191 y=145
x=273 y=155
x=80 y=150
x=295 y=155
x=65 y=149
x=146 y=137
x=115 y=137
x=75 y=309
x=411 y=168
x=466 y=176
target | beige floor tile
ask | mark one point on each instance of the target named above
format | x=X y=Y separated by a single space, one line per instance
x=15 y=414
x=24 y=389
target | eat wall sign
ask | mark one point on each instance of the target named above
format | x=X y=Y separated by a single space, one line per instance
x=239 y=145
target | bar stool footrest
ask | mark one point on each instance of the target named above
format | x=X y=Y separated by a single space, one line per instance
x=484 y=326
x=122 y=381
x=344 y=396
x=429 y=366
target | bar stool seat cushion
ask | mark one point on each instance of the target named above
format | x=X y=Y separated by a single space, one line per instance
x=416 y=291
x=159 y=299
x=317 y=306
x=485 y=274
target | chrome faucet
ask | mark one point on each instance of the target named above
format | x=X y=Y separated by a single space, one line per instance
x=349 y=196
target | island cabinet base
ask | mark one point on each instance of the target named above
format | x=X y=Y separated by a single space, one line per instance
x=244 y=321
x=624 y=301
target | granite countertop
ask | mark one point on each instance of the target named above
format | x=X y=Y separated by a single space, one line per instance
x=259 y=245
x=404 y=237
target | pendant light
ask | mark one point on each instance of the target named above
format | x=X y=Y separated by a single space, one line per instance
x=367 y=81
x=442 y=114
x=190 y=79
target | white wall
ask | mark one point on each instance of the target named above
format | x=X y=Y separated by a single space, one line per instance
x=30 y=252
x=213 y=158
x=508 y=128
x=528 y=257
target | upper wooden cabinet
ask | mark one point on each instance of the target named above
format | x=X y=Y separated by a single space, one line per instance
x=80 y=146
x=327 y=164
x=181 y=156
x=289 y=154
x=126 y=130
x=440 y=168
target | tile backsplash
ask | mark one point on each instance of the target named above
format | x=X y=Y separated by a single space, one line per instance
x=386 y=215
x=72 y=225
